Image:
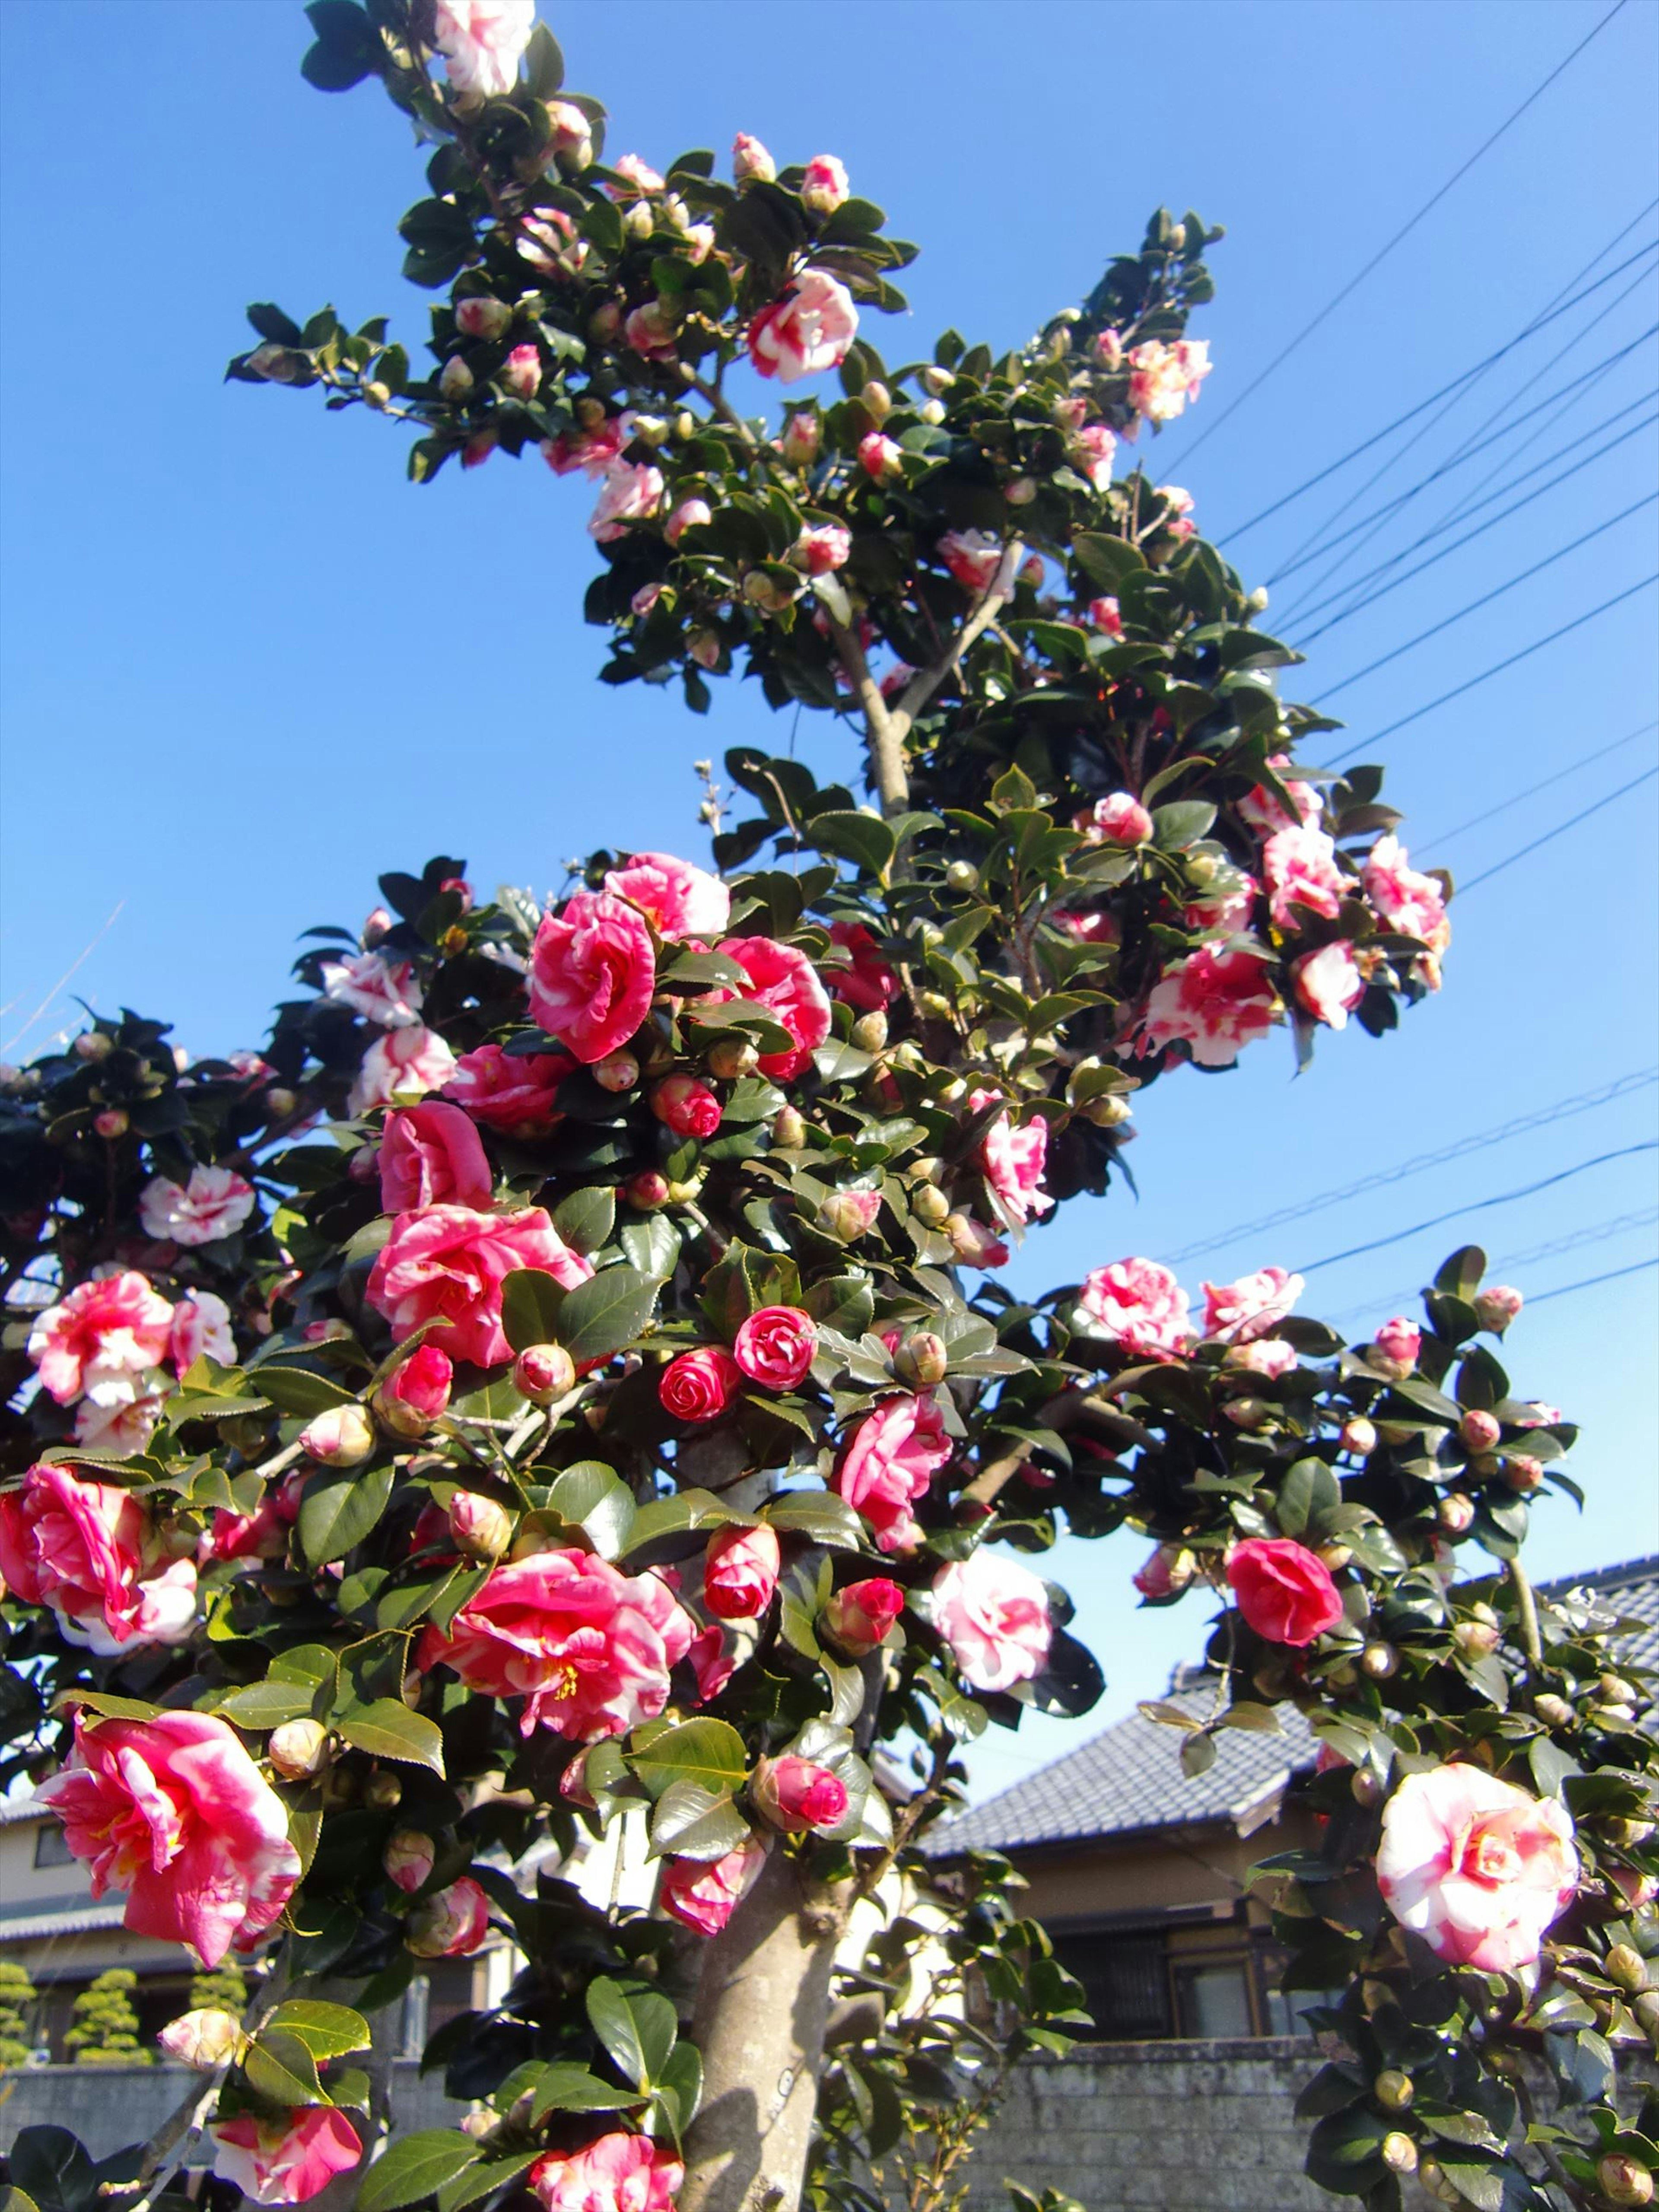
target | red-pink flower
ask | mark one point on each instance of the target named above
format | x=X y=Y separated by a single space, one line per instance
x=591 y=974
x=1105 y=615
x=993 y=1615
x=630 y=492
x=1285 y=1591
x=740 y=1572
x=482 y=41
x=823 y=547
x=591 y=451
x=173 y=1811
x=1118 y=819
x=712 y=1661
x=448 y=1264
x=889 y=1460
x=824 y=186
x=1299 y=865
x=687 y=1107
x=880 y=456
x=517 y=1092
x=1395 y=1346
x=290 y=2158
x=430 y=1156
x=704 y=1894
x=972 y=556
x=1476 y=1868
x=1012 y=1157
x=1214 y=1001
x=589 y=1647
x=1138 y=1305
x=809 y=329
x=689 y=515
x=1235 y=1313
x=1328 y=983
x=1406 y=900
x=87 y=1550
x=423 y=1384
x=699 y=1385
x=797 y=1795
x=676 y=899
x=858 y=1618
x=408 y=1858
x=451 y=1923
x=521 y=372
x=867 y=984
x=201 y=1324
x=617 y=2173
x=214 y=1204
x=784 y=983
x=404 y=1062
x=103 y=1333
x=775 y=1346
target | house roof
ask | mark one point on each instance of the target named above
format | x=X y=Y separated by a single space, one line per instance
x=64 y=1916
x=1128 y=1779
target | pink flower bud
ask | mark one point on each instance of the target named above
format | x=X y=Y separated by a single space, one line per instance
x=481 y=1527
x=543 y=1372
x=1108 y=347
x=113 y=1123
x=617 y=1071
x=521 y=372
x=824 y=188
x=416 y=1394
x=206 y=2039
x=1103 y=614
x=704 y=647
x=880 y=457
x=340 y=1435
x=700 y=1385
x=789 y=1129
x=92 y=1044
x=970 y=1241
x=857 y=1618
x=689 y=515
x=1166 y=1573
x=1522 y=1473
x=483 y=316
x=572 y=133
x=1394 y=1348
x=849 y=1214
x=1496 y=1307
x=1118 y=819
x=740 y=1572
x=647 y=1190
x=409 y=1857
x=298 y=1749
x=751 y=162
x=451 y=1924
x=802 y=434
x=377 y=924
x=1359 y=1437
x=704 y=1895
x=687 y=1107
x=1455 y=1513
x=455 y=380
x=1480 y=1430
x=797 y=1795
x=922 y=1359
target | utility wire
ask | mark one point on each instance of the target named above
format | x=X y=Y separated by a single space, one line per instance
x=1505 y=1269
x=1559 y=831
x=1497 y=669
x=1491 y=814
x=1589 y=1282
x=1543 y=1117
x=1596 y=530
x=1403 y=233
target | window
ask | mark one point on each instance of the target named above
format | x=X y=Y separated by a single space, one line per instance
x=1126 y=1982
x=1213 y=1999
x=51 y=1845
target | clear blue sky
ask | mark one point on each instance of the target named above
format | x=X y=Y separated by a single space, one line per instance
x=246 y=667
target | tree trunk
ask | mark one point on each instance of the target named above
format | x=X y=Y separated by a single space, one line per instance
x=762 y=2003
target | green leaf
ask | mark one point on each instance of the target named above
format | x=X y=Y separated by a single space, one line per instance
x=327 y=2031
x=490 y=2173
x=1181 y=824
x=1107 y=561
x=339 y=1509
x=707 y=1752
x=543 y=63
x=386 y=1729
x=599 y=1317
x=530 y=1305
x=414 y=2166
x=669 y=1516
x=591 y=1497
x=265 y=1704
x=299 y=1390
x=638 y=2031
x=282 y=2068
x=1307 y=1491
x=586 y=1218
x=694 y=1823
x=817 y=1514
x=566 y=2088
x=864 y=838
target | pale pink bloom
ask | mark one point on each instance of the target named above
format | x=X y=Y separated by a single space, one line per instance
x=689 y=515
x=104 y=1333
x=784 y=983
x=573 y=132
x=1178 y=510
x=1095 y=446
x=448 y=1264
x=821 y=547
x=87 y=1550
x=676 y=899
x=593 y=451
x=1163 y=379
x=521 y=372
x=386 y=991
x=750 y=159
x=972 y=556
x=481 y=315
x=214 y=1204
x=1138 y=1306
x=451 y=1923
x=1266 y=1355
x=824 y=188
x=1118 y=819
x=201 y=1324
x=631 y=492
x=172 y=1810
x=547 y=238
x=516 y=1091
x=888 y=1462
x=1476 y=1867
x=639 y=173
x=617 y=2173
x=1012 y=1157
x=1299 y=865
x=975 y=1245
x=993 y=1615
x=589 y=1648
x=404 y=1064
x=483 y=42
x=293 y=2158
x=1262 y=810
x=809 y=329
x=880 y=456
x=1236 y=1313
x=592 y=971
x=430 y=1155
x=1214 y=1001
x=1496 y=1306
x=121 y=1425
x=1406 y=900
x=1103 y=614
x=1108 y=346
x=1328 y=983
x=205 y=2038
x=705 y=1894
x=645 y=598
x=1228 y=903
x=700 y=242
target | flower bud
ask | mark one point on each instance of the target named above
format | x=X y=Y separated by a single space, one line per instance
x=932 y=412
x=1398 y=2151
x=1359 y=1437
x=113 y=1123
x=647 y=1191
x=639 y=223
x=1623 y=2180
x=451 y=1924
x=876 y=401
x=298 y=1749
x=545 y=1372
x=1021 y=492
x=340 y=1435
x=857 y=1618
x=1522 y=1473
x=1480 y=1430
x=936 y=380
x=1496 y=1307
x=687 y=1107
x=824 y=188
x=961 y=876
x=683 y=1193
x=932 y=1209
x=731 y=1058
x=1107 y=1111
x=796 y=1794
x=1625 y=1966
x=1475 y=1639
x=922 y=1359
x=1393 y=2090
x=1365 y=1787
x=206 y=2039
x=1455 y=1513
x=1554 y=1712
x=413 y=1396
x=93 y=1044
x=849 y=1214
x=704 y=647
x=789 y=1130
x=383 y=1792
x=280 y=1102
x=481 y=1527
x=482 y=316
x=750 y=162
x=1379 y=1661
x=802 y=436
x=740 y=1572
x=617 y=1071
x=408 y=1856
x=455 y=380
x=1248 y=1413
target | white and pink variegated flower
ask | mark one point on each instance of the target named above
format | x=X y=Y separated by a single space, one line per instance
x=201 y=1324
x=1105 y=615
x=1227 y=905
x=1012 y=1159
x=638 y=172
x=1093 y=453
x=676 y=898
x=483 y=41
x=1164 y=378
x=973 y=557
x=405 y=1063
x=689 y=515
x=382 y=990
x=1300 y=868
x=547 y=236
x=630 y=492
x=1408 y=901
x=1260 y=810
x=1117 y=819
x=214 y=1204
x=99 y=1339
x=1476 y=1867
x=1138 y=1306
x=1215 y=1001
x=1254 y=1306
x=1178 y=510
x=823 y=547
x=1328 y=984
x=287 y=2159
x=824 y=186
x=809 y=329
x=122 y=1422
x=593 y=451
x=1269 y=1355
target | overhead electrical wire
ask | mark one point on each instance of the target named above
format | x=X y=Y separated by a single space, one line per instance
x=1589 y=1282
x=1596 y=1232
x=1559 y=830
x=1404 y=231
x=1490 y=813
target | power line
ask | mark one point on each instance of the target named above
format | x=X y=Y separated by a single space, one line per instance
x=1505 y=1269
x=1497 y=669
x=1559 y=831
x=1403 y=233
x=1542 y=1117
x=1491 y=814
x=1612 y=1275
x=1447 y=622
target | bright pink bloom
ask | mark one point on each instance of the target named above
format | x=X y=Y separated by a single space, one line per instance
x=201 y=1325
x=103 y=1333
x=591 y=974
x=289 y=2160
x=1100 y=927
x=880 y=457
x=593 y=451
x=1214 y=1001
x=857 y=1618
x=700 y=1385
x=1234 y=1313
x=1138 y=1306
x=993 y=1615
x=630 y=492
x=1262 y=810
x=705 y=1894
x=824 y=187
x=1299 y=865
x=740 y=1572
x=1476 y=1868
x=482 y=42
x=430 y=1156
x=589 y=1647
x=382 y=990
x=1155 y=1577
x=775 y=1346
x=1396 y=1345
x=676 y=899
x=784 y=983
x=89 y=1551
x=451 y=1923
x=687 y=1107
x=422 y=1383
x=521 y=372
x=1328 y=983
x=1118 y=819
x=712 y=1661
x=449 y=1263
x=1103 y=614
x=404 y=1063
x=796 y=1795
x=1012 y=1159
x=972 y=556
x=1408 y=901
x=173 y=1811
x=823 y=547
x=214 y=1204
x=617 y=2173
x=868 y=985
x=517 y=1092
x=1285 y=1591
x=809 y=329
x=888 y=1462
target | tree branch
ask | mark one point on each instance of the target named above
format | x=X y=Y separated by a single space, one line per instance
x=884 y=730
x=927 y=681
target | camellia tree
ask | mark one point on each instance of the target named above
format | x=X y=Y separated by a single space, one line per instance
x=562 y=1379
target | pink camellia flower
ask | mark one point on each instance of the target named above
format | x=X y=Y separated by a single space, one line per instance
x=591 y=974
x=1496 y=1306
x=1395 y=1346
x=483 y=42
x=645 y=598
x=573 y=131
x=850 y=1214
x=201 y=1325
x=1328 y=984
x=689 y=515
x=448 y=1264
x=214 y=1204
x=1012 y=1159
x=589 y=1647
x=591 y=451
x=404 y=1064
x=1262 y=810
x=262 y=1533
x=1164 y=1573
x=858 y=1618
x=637 y=172
x=1099 y=928
x=1164 y=378
x=993 y=1616
x=1299 y=865
x=705 y=1894
x=775 y=1346
x=974 y=1244
x=784 y=983
x=751 y=161
x=409 y=1857
x=103 y=1333
x=1234 y=1313
x=809 y=329
x=712 y=1661
x=1406 y=900
x=521 y=372
x=382 y=990
x=340 y=1435
x=972 y=556
x=888 y=1462
x=619 y=2172
x=1178 y=510
x=430 y=1155
x=1227 y=903
x=1103 y=614
x=823 y=547
x=796 y=1795
x=452 y=1923
x=880 y=457
x=516 y=1092
x=1215 y=1001
x=291 y=2159
x=89 y=1551
x=420 y=1388
x=1285 y=1591
x=1264 y=1355
x=699 y=1385
x=478 y=316
x=1093 y=454
x=120 y=1423
x=629 y=492
x=740 y=1572
x=868 y=985
x=1476 y=1867
x=1118 y=819
x=824 y=188
x=687 y=1107
x=1138 y=1306
x=173 y=1811
x=676 y=899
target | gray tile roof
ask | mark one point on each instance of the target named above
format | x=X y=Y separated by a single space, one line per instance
x=65 y=1917
x=1128 y=1778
